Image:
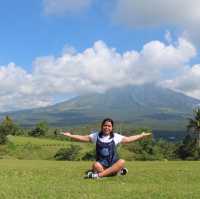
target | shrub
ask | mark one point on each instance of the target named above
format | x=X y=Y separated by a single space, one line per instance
x=153 y=150
x=189 y=149
x=69 y=153
x=90 y=155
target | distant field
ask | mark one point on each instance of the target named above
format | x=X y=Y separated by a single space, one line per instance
x=39 y=179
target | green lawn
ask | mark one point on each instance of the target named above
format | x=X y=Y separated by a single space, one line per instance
x=42 y=179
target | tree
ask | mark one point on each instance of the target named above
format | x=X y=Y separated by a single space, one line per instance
x=188 y=150
x=194 y=125
x=10 y=127
x=7 y=127
x=40 y=129
x=3 y=135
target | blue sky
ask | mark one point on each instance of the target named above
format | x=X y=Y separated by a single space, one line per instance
x=54 y=49
x=28 y=32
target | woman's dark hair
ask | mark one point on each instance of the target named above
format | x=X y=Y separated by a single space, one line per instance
x=102 y=124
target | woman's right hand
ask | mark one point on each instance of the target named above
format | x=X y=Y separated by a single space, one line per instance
x=146 y=134
x=67 y=133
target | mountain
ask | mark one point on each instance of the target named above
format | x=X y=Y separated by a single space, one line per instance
x=146 y=105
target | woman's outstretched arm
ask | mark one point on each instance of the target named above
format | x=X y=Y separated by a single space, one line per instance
x=129 y=139
x=81 y=138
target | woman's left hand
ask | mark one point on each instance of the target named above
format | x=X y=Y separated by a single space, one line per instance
x=146 y=134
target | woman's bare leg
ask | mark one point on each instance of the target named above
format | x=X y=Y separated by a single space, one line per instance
x=113 y=169
x=97 y=167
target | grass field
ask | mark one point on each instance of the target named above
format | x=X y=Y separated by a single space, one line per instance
x=42 y=179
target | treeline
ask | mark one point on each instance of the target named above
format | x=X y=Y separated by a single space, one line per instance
x=151 y=149
x=143 y=151
x=41 y=129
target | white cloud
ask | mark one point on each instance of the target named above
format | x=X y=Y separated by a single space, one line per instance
x=17 y=89
x=63 y=7
x=181 y=14
x=13 y=77
x=156 y=12
x=100 y=67
x=177 y=13
x=96 y=69
x=187 y=82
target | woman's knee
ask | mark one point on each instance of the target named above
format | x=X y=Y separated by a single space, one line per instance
x=97 y=166
x=121 y=162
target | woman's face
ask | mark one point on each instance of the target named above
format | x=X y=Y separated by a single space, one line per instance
x=107 y=128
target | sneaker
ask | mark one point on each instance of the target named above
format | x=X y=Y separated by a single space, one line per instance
x=123 y=171
x=89 y=170
x=92 y=175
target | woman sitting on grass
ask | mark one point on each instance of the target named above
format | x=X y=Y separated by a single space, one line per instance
x=107 y=162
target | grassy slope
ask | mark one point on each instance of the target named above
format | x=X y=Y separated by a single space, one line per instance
x=36 y=148
x=62 y=180
x=30 y=148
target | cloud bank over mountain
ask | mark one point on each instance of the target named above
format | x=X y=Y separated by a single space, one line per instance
x=98 y=69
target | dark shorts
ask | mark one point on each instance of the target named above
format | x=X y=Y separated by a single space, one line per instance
x=106 y=163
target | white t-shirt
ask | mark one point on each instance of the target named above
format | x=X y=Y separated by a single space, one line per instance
x=117 y=138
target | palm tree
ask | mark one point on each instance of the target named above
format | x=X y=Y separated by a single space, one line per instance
x=194 y=125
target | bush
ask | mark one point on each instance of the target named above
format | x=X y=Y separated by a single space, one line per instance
x=69 y=153
x=40 y=129
x=189 y=149
x=153 y=150
x=90 y=155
